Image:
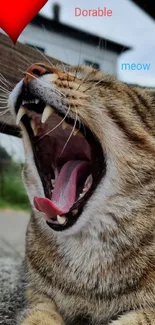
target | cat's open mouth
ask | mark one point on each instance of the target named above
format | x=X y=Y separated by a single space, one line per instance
x=68 y=157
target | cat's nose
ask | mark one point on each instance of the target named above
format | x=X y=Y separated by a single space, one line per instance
x=33 y=72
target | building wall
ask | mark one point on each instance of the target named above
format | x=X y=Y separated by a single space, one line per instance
x=69 y=50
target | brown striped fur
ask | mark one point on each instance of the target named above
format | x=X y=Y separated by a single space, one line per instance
x=102 y=270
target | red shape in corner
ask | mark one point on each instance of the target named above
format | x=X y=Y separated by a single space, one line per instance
x=15 y=15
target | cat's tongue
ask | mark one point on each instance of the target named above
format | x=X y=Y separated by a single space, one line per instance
x=64 y=193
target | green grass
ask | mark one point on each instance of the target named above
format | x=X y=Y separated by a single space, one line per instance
x=7 y=205
x=13 y=194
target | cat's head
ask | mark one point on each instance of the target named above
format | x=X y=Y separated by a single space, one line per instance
x=89 y=146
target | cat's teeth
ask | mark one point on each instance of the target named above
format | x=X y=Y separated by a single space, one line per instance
x=76 y=132
x=36 y=101
x=34 y=127
x=61 y=220
x=81 y=195
x=32 y=101
x=48 y=111
x=64 y=125
x=22 y=111
x=53 y=182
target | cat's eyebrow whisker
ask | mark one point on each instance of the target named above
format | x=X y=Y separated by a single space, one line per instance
x=83 y=79
x=78 y=65
x=44 y=56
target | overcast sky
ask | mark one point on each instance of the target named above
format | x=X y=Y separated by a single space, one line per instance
x=129 y=25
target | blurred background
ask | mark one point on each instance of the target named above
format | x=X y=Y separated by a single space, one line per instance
x=105 y=43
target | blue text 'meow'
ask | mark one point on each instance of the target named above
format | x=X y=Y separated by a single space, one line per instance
x=134 y=66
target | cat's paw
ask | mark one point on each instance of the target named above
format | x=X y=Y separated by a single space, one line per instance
x=139 y=317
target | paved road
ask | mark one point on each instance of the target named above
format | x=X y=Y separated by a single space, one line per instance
x=12 y=233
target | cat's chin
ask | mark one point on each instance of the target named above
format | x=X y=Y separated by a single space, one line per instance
x=68 y=157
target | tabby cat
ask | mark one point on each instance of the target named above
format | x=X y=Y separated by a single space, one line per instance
x=89 y=173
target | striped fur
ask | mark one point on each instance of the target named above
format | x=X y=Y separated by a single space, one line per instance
x=102 y=270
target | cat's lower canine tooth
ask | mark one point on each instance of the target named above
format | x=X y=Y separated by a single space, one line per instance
x=48 y=111
x=78 y=133
x=22 y=111
x=61 y=220
x=34 y=128
x=75 y=132
x=64 y=125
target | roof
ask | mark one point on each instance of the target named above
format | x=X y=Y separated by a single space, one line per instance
x=148 y=6
x=75 y=33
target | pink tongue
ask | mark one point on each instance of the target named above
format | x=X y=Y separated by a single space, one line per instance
x=64 y=194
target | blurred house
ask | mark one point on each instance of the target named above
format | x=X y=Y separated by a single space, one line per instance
x=148 y=6
x=71 y=45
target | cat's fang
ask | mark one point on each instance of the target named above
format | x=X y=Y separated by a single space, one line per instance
x=48 y=111
x=64 y=125
x=81 y=195
x=34 y=127
x=78 y=133
x=22 y=111
x=53 y=182
x=61 y=220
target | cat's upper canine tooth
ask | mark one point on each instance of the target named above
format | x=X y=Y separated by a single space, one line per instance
x=36 y=100
x=77 y=132
x=22 y=111
x=48 y=111
x=64 y=125
x=61 y=220
x=53 y=182
x=81 y=195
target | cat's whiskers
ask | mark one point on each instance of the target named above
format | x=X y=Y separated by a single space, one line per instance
x=56 y=125
x=4 y=90
x=25 y=58
x=44 y=56
x=74 y=126
x=4 y=112
x=4 y=83
x=5 y=80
